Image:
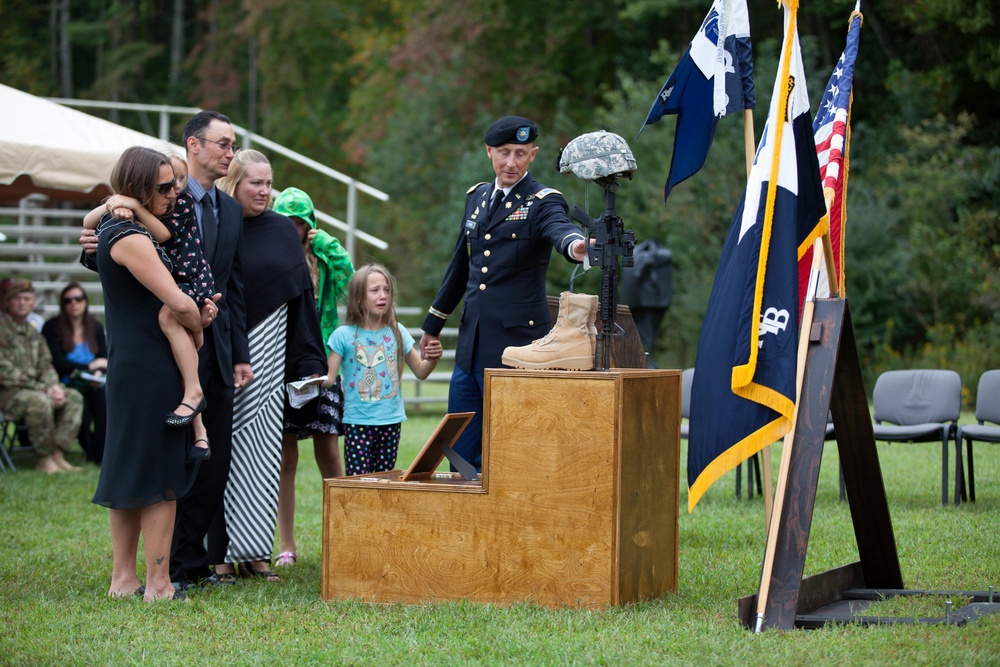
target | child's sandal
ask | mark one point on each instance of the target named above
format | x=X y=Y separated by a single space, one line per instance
x=285 y=558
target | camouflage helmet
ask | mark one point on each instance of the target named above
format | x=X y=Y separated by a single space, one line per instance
x=602 y=157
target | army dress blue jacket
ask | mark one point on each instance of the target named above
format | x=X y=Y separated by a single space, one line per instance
x=499 y=266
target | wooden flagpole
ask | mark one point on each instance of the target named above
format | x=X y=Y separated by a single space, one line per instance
x=750 y=149
x=826 y=257
x=749 y=143
x=786 y=449
x=832 y=279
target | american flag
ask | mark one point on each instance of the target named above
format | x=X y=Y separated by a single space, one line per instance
x=831 y=129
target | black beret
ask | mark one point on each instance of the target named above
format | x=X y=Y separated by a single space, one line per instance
x=511 y=130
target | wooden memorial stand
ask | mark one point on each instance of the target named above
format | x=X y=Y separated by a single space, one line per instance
x=833 y=382
x=576 y=505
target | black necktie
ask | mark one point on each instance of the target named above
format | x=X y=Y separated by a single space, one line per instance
x=210 y=228
x=495 y=204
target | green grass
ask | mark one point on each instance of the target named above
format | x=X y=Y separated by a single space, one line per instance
x=56 y=564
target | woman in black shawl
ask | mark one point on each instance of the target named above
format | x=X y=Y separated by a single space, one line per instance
x=285 y=345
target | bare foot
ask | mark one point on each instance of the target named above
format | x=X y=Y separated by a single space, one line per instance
x=124 y=594
x=163 y=593
x=48 y=464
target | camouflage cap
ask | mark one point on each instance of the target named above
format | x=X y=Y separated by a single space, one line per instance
x=295 y=203
x=18 y=286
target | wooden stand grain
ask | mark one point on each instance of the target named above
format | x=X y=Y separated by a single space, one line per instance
x=576 y=505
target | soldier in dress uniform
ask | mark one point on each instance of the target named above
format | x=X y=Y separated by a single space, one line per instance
x=507 y=233
x=29 y=386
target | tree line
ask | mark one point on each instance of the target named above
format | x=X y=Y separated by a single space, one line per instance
x=399 y=93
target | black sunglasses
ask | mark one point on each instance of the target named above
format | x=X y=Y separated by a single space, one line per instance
x=165 y=188
x=74 y=299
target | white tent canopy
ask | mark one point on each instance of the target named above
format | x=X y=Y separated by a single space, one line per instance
x=46 y=147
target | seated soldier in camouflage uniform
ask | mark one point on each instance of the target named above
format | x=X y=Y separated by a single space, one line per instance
x=29 y=387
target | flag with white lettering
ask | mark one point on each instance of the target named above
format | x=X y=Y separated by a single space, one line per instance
x=743 y=394
x=832 y=131
x=713 y=78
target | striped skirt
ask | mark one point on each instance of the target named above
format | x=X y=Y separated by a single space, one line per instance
x=251 y=503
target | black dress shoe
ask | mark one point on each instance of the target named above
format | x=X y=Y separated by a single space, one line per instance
x=225 y=579
x=199 y=453
x=178 y=421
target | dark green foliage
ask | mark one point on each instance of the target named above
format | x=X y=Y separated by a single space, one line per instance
x=24 y=61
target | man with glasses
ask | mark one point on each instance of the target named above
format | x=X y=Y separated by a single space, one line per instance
x=224 y=359
x=29 y=386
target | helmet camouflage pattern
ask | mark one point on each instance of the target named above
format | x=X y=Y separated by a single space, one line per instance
x=602 y=157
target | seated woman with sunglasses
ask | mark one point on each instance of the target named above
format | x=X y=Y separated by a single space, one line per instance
x=78 y=345
x=177 y=233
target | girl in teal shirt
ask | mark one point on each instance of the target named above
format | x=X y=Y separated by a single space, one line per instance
x=369 y=352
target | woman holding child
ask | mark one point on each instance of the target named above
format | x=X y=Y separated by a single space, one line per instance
x=144 y=470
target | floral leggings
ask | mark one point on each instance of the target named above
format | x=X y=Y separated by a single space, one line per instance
x=369 y=449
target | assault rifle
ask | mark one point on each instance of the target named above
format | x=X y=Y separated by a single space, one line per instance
x=610 y=241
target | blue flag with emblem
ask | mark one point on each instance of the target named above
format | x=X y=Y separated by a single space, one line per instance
x=743 y=393
x=713 y=78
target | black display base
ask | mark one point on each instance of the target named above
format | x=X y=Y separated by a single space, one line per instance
x=850 y=608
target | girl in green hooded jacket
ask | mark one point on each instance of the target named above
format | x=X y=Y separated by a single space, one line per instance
x=320 y=419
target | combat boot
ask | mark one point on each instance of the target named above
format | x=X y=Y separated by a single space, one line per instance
x=571 y=343
x=592 y=327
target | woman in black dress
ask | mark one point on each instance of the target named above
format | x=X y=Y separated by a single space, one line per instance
x=285 y=345
x=78 y=345
x=144 y=469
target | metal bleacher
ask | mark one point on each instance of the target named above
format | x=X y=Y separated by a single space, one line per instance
x=420 y=394
x=42 y=244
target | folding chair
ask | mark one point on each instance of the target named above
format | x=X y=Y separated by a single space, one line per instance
x=987 y=412
x=13 y=439
x=687 y=377
x=921 y=406
x=8 y=434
